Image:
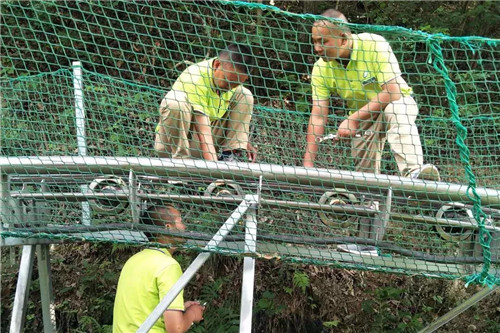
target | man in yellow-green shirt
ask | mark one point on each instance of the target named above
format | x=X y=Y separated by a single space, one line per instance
x=207 y=112
x=363 y=70
x=147 y=277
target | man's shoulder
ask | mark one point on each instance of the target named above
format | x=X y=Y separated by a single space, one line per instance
x=151 y=260
x=167 y=265
x=197 y=72
x=367 y=36
x=201 y=66
x=200 y=69
x=320 y=66
x=151 y=254
x=319 y=63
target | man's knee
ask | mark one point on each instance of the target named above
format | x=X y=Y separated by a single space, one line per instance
x=174 y=103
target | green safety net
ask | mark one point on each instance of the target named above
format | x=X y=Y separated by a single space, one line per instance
x=62 y=183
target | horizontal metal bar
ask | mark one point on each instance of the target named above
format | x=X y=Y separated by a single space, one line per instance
x=283 y=251
x=308 y=243
x=243 y=171
x=78 y=197
x=190 y=182
x=62 y=179
x=14 y=241
x=360 y=211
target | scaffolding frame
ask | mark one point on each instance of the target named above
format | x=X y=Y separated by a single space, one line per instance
x=377 y=218
x=37 y=167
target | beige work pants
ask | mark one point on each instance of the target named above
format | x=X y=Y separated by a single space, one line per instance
x=176 y=136
x=397 y=126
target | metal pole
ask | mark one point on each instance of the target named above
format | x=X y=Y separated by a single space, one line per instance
x=1 y=122
x=224 y=230
x=79 y=108
x=247 y=285
x=46 y=291
x=345 y=209
x=4 y=199
x=132 y=197
x=80 y=129
x=5 y=212
x=358 y=181
x=384 y=216
x=18 y=218
x=458 y=310
x=22 y=289
x=42 y=208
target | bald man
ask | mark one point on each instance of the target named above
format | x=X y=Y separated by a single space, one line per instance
x=363 y=70
x=148 y=276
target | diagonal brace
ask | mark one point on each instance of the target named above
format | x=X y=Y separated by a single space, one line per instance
x=224 y=230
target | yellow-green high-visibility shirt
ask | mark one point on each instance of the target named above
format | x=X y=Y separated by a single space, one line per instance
x=372 y=64
x=144 y=281
x=197 y=82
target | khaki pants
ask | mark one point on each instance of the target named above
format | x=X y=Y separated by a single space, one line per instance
x=396 y=125
x=176 y=136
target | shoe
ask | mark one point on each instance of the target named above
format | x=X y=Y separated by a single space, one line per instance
x=375 y=205
x=363 y=250
x=235 y=155
x=426 y=172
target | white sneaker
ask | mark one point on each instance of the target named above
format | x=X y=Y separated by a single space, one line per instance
x=363 y=250
x=426 y=172
x=373 y=204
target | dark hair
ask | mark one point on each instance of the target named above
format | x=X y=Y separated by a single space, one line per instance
x=240 y=56
x=156 y=215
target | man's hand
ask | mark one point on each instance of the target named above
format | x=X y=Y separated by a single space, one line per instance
x=181 y=321
x=251 y=152
x=189 y=303
x=195 y=311
x=308 y=164
x=348 y=128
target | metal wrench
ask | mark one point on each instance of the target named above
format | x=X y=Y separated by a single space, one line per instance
x=334 y=136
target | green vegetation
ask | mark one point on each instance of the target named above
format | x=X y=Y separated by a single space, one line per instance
x=288 y=297
x=133 y=51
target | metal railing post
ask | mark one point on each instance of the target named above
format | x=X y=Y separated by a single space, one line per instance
x=247 y=285
x=81 y=137
x=22 y=289
x=46 y=291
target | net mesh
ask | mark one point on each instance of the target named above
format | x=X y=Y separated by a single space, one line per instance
x=55 y=186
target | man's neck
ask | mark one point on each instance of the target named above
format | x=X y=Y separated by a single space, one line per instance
x=344 y=61
x=170 y=250
x=214 y=86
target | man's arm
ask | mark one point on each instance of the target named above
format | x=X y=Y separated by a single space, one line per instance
x=391 y=91
x=180 y=322
x=204 y=131
x=316 y=128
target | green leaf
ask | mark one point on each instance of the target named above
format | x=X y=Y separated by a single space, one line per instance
x=301 y=281
x=331 y=324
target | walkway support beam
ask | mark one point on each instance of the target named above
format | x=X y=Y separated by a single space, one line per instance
x=239 y=171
